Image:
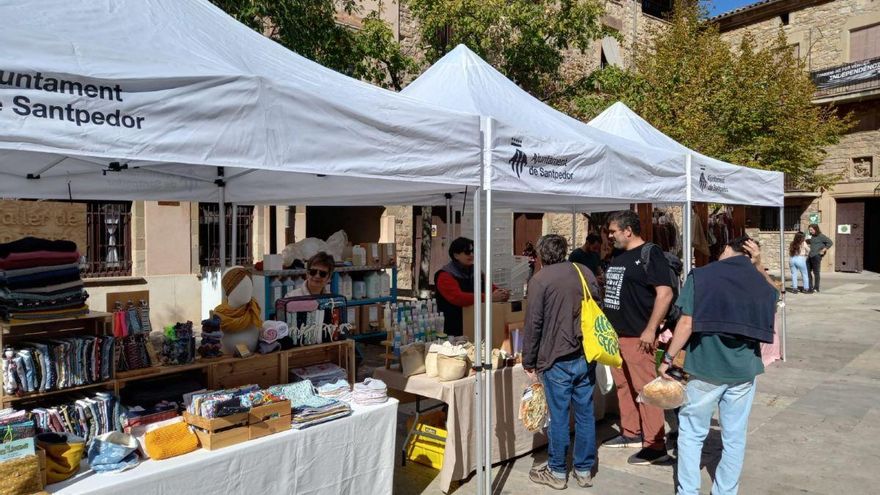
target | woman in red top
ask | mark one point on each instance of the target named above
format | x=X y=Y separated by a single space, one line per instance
x=455 y=285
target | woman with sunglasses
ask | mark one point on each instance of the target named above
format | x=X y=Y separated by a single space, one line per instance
x=319 y=269
x=455 y=285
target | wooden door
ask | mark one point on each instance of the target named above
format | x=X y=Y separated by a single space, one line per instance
x=439 y=243
x=850 y=236
x=527 y=227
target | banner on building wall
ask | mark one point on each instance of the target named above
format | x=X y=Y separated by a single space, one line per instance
x=46 y=219
x=856 y=72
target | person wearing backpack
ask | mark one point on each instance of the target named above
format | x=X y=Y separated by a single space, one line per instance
x=638 y=294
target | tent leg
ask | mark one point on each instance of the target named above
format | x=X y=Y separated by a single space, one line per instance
x=478 y=357
x=222 y=219
x=487 y=344
x=688 y=226
x=234 y=253
x=449 y=220
x=782 y=330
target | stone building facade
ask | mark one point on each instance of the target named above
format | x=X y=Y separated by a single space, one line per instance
x=836 y=39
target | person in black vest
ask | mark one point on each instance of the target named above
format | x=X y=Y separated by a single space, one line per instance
x=728 y=310
x=455 y=285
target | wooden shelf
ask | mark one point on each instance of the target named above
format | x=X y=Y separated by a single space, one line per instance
x=38 y=395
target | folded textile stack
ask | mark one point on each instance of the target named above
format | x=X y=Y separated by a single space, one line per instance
x=309 y=408
x=57 y=364
x=371 y=391
x=339 y=390
x=15 y=425
x=211 y=346
x=40 y=280
x=219 y=403
x=86 y=418
x=180 y=344
x=319 y=374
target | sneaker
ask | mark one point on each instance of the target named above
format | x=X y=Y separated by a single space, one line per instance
x=648 y=456
x=544 y=476
x=582 y=481
x=807 y=291
x=623 y=442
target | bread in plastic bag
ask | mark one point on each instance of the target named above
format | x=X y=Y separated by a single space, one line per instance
x=662 y=393
x=533 y=410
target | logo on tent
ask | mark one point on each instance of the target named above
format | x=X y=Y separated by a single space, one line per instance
x=516 y=141
x=703 y=182
x=518 y=162
x=714 y=183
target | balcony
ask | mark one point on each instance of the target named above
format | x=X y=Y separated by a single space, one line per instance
x=852 y=81
x=793 y=189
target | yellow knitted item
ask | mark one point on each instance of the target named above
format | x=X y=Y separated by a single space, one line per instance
x=62 y=459
x=20 y=475
x=170 y=441
x=233 y=320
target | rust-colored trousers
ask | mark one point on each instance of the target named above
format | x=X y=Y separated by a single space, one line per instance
x=637 y=418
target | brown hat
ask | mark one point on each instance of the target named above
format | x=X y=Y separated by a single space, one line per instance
x=233 y=277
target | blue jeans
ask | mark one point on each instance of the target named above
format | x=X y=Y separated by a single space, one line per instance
x=734 y=403
x=798 y=264
x=568 y=384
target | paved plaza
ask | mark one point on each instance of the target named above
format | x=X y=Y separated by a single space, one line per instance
x=814 y=427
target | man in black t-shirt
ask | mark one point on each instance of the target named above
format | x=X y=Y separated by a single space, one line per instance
x=636 y=301
x=588 y=254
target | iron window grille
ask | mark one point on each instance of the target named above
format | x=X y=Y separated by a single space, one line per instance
x=209 y=236
x=108 y=240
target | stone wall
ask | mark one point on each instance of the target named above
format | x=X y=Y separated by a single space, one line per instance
x=403 y=234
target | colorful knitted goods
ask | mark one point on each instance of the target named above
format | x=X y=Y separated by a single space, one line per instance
x=234 y=320
x=64 y=451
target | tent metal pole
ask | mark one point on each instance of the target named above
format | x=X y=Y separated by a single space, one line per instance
x=222 y=220
x=449 y=220
x=688 y=219
x=234 y=253
x=782 y=329
x=487 y=341
x=478 y=334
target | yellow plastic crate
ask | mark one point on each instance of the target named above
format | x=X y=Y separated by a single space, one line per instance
x=424 y=450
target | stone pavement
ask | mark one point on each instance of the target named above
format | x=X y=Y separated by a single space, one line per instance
x=815 y=423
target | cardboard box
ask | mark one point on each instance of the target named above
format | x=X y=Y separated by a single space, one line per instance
x=502 y=314
x=371 y=318
x=374 y=254
x=273 y=262
x=387 y=251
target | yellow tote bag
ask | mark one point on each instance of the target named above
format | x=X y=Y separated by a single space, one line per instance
x=600 y=339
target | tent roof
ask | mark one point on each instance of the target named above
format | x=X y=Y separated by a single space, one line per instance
x=605 y=168
x=194 y=88
x=712 y=180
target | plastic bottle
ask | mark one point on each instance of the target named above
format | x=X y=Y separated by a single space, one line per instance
x=346 y=286
x=358 y=255
x=386 y=316
x=374 y=285
x=359 y=289
x=288 y=285
x=276 y=290
x=385 y=281
x=397 y=338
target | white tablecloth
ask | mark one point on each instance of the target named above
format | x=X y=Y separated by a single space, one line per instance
x=350 y=455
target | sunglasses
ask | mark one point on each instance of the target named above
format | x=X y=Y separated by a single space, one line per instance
x=320 y=273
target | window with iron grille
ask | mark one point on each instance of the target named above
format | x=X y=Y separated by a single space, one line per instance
x=770 y=219
x=209 y=235
x=108 y=240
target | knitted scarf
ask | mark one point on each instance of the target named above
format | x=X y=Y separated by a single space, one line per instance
x=234 y=320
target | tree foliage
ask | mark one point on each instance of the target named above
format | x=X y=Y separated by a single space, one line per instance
x=526 y=40
x=310 y=28
x=748 y=105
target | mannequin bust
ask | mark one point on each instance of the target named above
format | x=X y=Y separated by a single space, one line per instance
x=239 y=314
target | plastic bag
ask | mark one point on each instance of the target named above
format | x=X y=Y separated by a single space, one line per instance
x=303 y=250
x=336 y=244
x=533 y=410
x=665 y=394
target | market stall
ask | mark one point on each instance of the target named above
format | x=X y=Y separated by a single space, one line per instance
x=538 y=159
x=717 y=182
x=174 y=100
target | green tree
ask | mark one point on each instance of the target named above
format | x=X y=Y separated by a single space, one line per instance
x=525 y=40
x=748 y=105
x=310 y=28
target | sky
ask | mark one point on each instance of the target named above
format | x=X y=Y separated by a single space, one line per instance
x=717 y=7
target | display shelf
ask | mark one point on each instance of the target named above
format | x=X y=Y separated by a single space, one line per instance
x=38 y=395
x=364 y=302
x=338 y=269
x=39 y=326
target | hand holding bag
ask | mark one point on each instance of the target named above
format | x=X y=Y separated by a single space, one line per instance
x=599 y=338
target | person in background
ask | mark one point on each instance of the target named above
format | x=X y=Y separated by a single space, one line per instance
x=588 y=254
x=553 y=348
x=797 y=261
x=319 y=270
x=636 y=301
x=728 y=309
x=455 y=285
x=819 y=245
x=530 y=253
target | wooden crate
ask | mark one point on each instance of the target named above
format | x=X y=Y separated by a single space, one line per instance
x=269 y=411
x=222 y=432
x=269 y=426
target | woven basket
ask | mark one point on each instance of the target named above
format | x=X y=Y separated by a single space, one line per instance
x=451 y=368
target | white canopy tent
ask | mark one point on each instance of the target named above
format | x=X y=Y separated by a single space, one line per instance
x=717 y=182
x=539 y=159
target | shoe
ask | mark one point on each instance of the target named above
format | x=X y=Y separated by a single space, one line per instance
x=623 y=442
x=648 y=456
x=544 y=476
x=807 y=291
x=582 y=481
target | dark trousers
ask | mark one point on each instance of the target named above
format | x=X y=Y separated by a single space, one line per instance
x=814 y=266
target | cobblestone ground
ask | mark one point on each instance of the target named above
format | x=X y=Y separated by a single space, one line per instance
x=814 y=426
